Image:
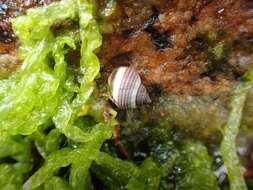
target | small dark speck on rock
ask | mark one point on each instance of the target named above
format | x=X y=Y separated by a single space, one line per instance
x=161 y=41
x=156 y=90
x=126 y=33
x=194 y=18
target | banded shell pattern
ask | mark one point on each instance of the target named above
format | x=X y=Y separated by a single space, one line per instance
x=127 y=90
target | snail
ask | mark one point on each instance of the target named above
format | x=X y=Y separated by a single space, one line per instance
x=127 y=90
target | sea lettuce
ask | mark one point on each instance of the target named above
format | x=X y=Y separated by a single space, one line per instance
x=17 y=149
x=79 y=159
x=33 y=27
x=228 y=145
x=89 y=66
x=115 y=173
x=38 y=93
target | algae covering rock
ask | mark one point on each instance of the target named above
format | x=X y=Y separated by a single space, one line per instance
x=201 y=117
x=196 y=166
x=189 y=167
x=183 y=162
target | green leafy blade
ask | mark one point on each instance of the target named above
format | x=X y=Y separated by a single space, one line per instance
x=228 y=145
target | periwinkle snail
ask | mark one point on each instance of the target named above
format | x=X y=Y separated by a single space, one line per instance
x=127 y=90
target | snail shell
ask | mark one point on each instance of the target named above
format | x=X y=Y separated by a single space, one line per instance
x=127 y=90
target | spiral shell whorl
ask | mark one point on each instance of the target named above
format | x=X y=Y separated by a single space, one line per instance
x=127 y=90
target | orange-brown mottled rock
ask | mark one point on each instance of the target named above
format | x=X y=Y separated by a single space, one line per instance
x=184 y=47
